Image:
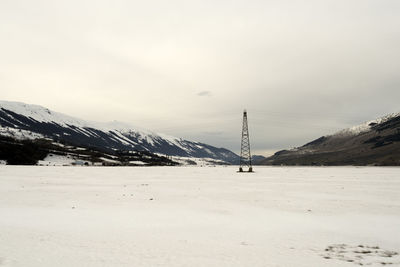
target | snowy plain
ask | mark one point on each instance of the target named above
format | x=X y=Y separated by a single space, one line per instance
x=193 y=216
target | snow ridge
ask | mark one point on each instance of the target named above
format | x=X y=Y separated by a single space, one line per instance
x=366 y=126
x=42 y=114
x=27 y=124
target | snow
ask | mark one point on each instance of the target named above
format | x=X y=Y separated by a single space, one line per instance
x=200 y=162
x=41 y=114
x=184 y=216
x=71 y=159
x=120 y=129
x=137 y=162
x=172 y=140
x=366 y=126
x=123 y=139
x=19 y=133
x=56 y=160
x=120 y=126
x=109 y=160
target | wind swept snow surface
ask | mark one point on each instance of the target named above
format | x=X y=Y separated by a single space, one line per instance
x=183 y=216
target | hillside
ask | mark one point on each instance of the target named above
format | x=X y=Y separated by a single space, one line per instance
x=31 y=122
x=376 y=142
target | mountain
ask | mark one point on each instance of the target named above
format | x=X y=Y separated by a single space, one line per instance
x=23 y=121
x=375 y=142
x=257 y=159
x=46 y=152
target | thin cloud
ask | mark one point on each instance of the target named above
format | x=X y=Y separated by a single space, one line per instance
x=302 y=69
x=204 y=93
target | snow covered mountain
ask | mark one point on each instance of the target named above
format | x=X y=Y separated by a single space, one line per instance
x=24 y=121
x=375 y=142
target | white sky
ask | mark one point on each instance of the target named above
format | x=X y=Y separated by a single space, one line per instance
x=302 y=69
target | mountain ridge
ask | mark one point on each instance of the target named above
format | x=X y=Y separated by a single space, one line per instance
x=26 y=121
x=375 y=142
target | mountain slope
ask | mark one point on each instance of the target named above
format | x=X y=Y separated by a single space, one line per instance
x=376 y=142
x=46 y=152
x=23 y=121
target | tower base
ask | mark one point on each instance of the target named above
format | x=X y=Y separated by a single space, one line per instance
x=241 y=169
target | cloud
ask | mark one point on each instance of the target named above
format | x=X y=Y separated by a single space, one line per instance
x=302 y=69
x=214 y=133
x=204 y=93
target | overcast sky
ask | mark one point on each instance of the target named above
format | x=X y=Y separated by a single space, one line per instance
x=302 y=69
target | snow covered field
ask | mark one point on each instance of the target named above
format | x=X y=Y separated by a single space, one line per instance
x=191 y=216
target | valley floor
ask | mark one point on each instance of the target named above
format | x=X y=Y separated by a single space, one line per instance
x=192 y=216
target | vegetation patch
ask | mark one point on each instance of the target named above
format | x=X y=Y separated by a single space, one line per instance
x=361 y=254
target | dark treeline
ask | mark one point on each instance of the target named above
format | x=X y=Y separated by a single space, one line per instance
x=25 y=152
x=29 y=152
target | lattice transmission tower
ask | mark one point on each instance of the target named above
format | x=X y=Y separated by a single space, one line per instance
x=245 y=155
